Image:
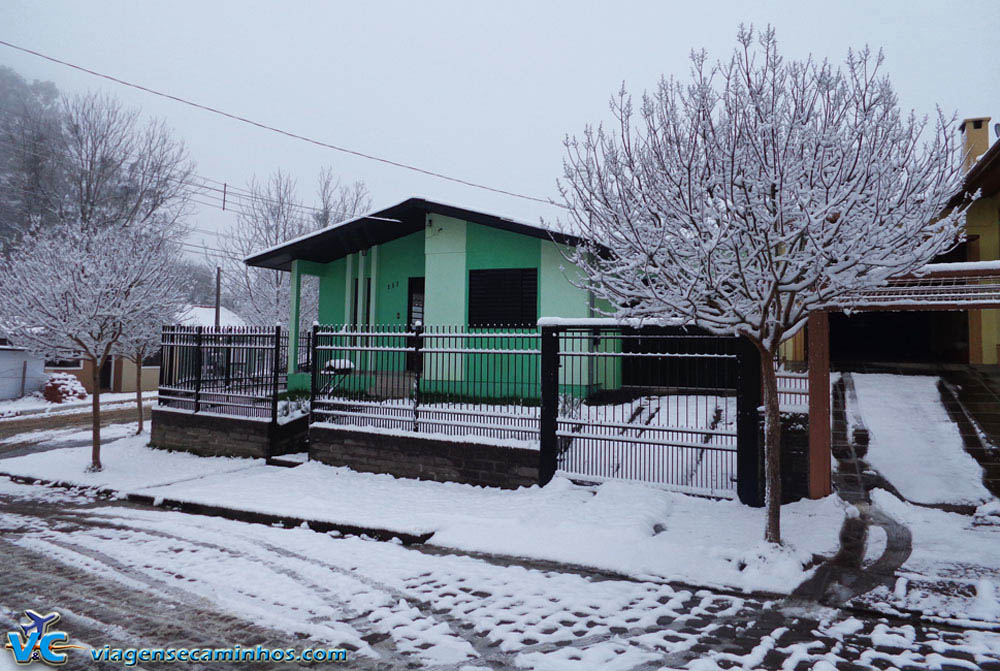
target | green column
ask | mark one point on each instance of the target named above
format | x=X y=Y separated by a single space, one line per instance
x=293 y=317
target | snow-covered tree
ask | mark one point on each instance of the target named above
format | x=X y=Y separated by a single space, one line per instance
x=119 y=168
x=757 y=193
x=73 y=291
x=271 y=215
x=75 y=287
x=141 y=338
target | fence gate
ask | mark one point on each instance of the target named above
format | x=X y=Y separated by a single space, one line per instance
x=668 y=406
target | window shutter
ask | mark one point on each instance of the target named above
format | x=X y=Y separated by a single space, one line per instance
x=503 y=297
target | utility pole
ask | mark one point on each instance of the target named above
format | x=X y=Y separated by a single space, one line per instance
x=218 y=294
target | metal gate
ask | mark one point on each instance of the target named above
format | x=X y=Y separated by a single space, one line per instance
x=670 y=406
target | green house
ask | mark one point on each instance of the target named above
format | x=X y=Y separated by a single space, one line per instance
x=422 y=262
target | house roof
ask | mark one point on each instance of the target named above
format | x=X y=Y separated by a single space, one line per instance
x=984 y=174
x=380 y=226
x=204 y=315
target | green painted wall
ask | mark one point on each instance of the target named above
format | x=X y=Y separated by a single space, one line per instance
x=445 y=247
x=444 y=253
x=397 y=262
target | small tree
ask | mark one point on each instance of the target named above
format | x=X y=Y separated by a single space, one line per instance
x=756 y=194
x=73 y=291
x=141 y=339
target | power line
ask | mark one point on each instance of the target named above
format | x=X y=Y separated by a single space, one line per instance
x=274 y=129
x=227 y=189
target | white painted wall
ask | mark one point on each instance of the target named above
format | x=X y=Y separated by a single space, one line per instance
x=11 y=369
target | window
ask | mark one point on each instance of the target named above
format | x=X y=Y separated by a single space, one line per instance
x=503 y=297
x=70 y=364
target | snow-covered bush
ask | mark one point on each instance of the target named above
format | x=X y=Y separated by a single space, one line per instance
x=62 y=387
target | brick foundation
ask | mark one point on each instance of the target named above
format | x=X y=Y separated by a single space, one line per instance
x=425 y=458
x=216 y=435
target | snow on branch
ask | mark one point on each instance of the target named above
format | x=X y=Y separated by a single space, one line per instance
x=760 y=191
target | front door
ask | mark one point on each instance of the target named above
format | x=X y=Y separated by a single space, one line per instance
x=414 y=315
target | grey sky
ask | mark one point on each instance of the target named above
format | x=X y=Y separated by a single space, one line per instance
x=482 y=92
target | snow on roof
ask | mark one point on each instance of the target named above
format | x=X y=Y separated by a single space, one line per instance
x=204 y=315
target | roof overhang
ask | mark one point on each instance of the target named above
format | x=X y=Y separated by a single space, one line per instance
x=375 y=228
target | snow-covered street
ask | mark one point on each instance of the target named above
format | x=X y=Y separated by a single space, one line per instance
x=132 y=576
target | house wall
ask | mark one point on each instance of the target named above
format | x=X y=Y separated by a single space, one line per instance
x=983 y=220
x=123 y=379
x=443 y=254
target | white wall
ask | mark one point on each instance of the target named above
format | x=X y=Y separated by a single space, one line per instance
x=12 y=368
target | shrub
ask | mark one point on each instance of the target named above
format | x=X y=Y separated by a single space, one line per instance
x=63 y=387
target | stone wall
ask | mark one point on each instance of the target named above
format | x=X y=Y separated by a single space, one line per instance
x=425 y=458
x=217 y=435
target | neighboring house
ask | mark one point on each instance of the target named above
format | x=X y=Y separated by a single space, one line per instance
x=934 y=336
x=425 y=262
x=118 y=373
x=204 y=315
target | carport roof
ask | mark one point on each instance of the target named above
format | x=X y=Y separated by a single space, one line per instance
x=374 y=228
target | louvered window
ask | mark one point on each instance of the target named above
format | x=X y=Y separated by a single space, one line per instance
x=503 y=297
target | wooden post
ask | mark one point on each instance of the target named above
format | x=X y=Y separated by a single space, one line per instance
x=818 y=329
x=24 y=376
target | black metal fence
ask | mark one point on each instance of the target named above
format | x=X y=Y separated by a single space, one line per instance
x=235 y=371
x=667 y=406
x=446 y=380
x=670 y=406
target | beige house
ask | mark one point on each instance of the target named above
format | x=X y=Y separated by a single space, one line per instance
x=118 y=373
x=971 y=336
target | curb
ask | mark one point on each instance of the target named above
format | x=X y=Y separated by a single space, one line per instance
x=286 y=521
x=73 y=408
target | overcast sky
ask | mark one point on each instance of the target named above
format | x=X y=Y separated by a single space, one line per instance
x=484 y=92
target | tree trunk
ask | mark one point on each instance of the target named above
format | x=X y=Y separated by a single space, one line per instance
x=95 y=416
x=772 y=446
x=138 y=391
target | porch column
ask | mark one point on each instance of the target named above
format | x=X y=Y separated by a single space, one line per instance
x=295 y=304
x=818 y=329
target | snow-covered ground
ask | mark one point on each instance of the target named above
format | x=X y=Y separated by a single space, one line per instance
x=108 y=432
x=36 y=403
x=128 y=464
x=914 y=443
x=954 y=568
x=399 y=607
x=628 y=528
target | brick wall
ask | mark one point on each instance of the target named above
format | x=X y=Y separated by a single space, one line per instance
x=425 y=458
x=213 y=435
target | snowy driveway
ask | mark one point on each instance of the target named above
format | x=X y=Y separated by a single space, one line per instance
x=132 y=576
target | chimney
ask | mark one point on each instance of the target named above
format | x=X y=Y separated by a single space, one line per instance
x=975 y=139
